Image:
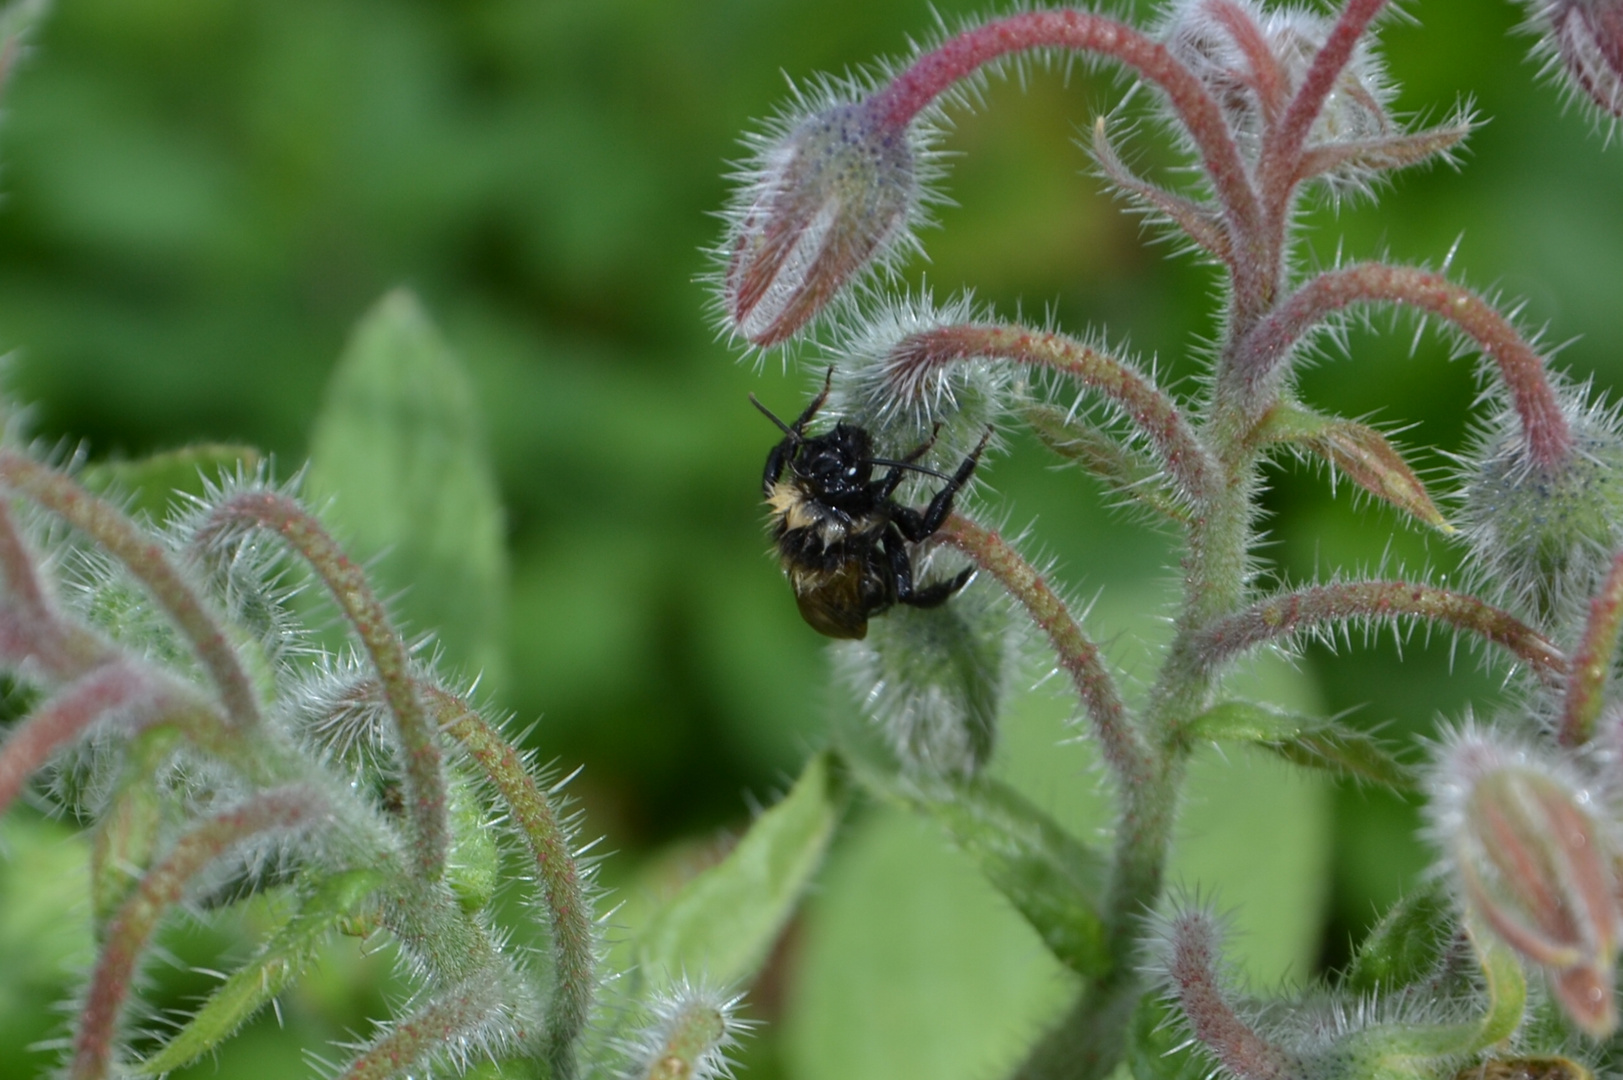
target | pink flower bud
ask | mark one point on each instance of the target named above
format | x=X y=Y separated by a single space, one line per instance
x=1536 y=867
x=823 y=203
x=1587 y=37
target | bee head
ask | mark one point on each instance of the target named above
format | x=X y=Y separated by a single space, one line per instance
x=835 y=464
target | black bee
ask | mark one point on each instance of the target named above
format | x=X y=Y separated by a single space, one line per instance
x=841 y=538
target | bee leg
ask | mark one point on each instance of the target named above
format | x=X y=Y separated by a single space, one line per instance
x=817 y=403
x=775 y=461
x=779 y=457
x=939 y=593
x=901 y=571
x=888 y=484
x=916 y=526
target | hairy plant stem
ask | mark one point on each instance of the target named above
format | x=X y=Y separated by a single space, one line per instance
x=149 y=561
x=574 y=958
x=424 y=773
x=1258 y=361
x=1156 y=416
x=933 y=73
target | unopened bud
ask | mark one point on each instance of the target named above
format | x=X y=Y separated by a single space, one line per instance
x=1536 y=867
x=820 y=205
x=1586 y=36
x=933 y=679
x=1209 y=36
x=1542 y=535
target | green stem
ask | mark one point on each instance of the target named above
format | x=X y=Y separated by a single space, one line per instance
x=1592 y=663
x=573 y=953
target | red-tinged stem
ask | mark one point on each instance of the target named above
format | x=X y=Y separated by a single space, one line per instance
x=1079 y=656
x=424 y=779
x=147 y=559
x=30 y=630
x=1150 y=410
x=1282 y=150
x=1260 y=356
x=161 y=887
x=1592 y=662
x=1146 y=779
x=63 y=718
x=451 y=1019
x=933 y=73
x=1266 y=77
x=529 y=808
x=1193 y=970
x=1336 y=605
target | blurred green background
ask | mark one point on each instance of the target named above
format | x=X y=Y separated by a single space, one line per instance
x=201 y=197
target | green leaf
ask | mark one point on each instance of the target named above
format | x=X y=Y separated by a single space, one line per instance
x=261 y=979
x=1124 y=469
x=721 y=924
x=1050 y=877
x=399 y=449
x=1361 y=453
x=1311 y=743
x=151 y=482
x=473 y=864
x=912 y=965
x=1406 y=945
x=124 y=839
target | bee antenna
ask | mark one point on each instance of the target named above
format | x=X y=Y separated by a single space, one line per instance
x=909 y=465
x=770 y=415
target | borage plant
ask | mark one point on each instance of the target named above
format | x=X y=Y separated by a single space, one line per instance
x=1268 y=106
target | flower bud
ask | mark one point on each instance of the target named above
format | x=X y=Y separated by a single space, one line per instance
x=934 y=679
x=905 y=405
x=688 y=1038
x=1542 y=535
x=820 y=204
x=1535 y=865
x=1207 y=36
x=1586 y=36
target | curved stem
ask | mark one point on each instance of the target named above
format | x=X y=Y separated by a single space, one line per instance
x=159 y=889
x=574 y=960
x=147 y=559
x=1146 y=405
x=1332 y=605
x=1260 y=356
x=1145 y=778
x=424 y=779
x=933 y=73
x=1125 y=751
x=461 y=1016
x=1592 y=662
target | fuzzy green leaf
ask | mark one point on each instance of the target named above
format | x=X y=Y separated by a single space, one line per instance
x=150 y=482
x=122 y=845
x=281 y=960
x=721 y=924
x=1362 y=454
x=1124 y=469
x=400 y=450
x=1405 y=946
x=473 y=864
x=1311 y=743
x=1051 y=878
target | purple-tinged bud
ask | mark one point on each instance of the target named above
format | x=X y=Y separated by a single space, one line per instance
x=1586 y=37
x=1534 y=863
x=1252 y=64
x=820 y=204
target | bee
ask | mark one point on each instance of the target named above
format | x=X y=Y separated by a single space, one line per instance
x=841 y=537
